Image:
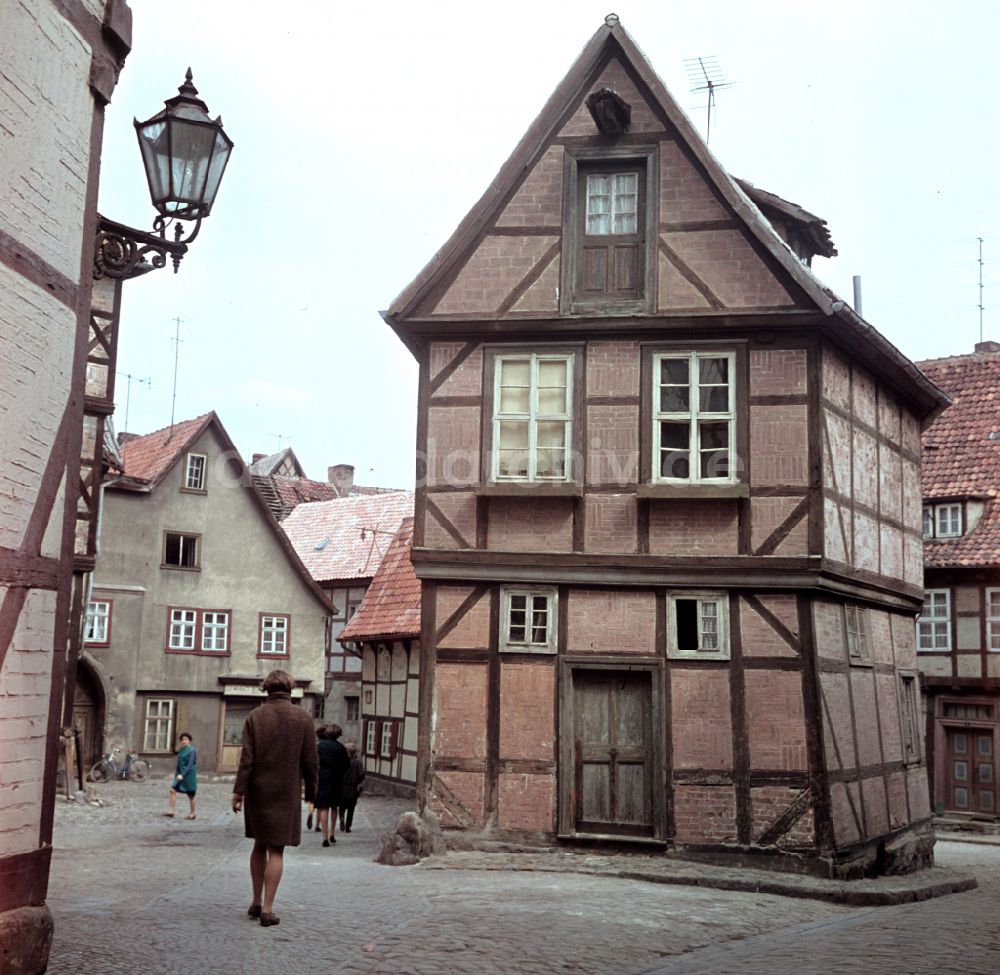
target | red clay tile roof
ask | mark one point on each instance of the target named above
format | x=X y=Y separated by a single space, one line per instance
x=961 y=455
x=149 y=457
x=327 y=534
x=391 y=607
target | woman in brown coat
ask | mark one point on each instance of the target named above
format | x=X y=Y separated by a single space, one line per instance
x=279 y=752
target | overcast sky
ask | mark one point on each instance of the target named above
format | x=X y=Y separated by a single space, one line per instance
x=364 y=133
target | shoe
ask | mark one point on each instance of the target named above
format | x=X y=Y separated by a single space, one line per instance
x=253 y=911
x=348 y=829
x=169 y=815
x=192 y=816
x=318 y=829
x=309 y=821
x=267 y=920
x=326 y=842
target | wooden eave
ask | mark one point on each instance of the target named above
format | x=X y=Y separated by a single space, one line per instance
x=607 y=42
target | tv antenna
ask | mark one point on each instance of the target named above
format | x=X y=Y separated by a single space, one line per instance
x=980 y=239
x=704 y=74
x=128 y=391
x=177 y=354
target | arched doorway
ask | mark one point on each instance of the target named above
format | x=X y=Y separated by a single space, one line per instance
x=88 y=713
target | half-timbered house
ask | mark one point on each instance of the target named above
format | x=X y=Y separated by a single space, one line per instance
x=386 y=628
x=958 y=632
x=668 y=516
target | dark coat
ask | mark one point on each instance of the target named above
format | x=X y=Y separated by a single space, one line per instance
x=353 y=778
x=279 y=752
x=333 y=763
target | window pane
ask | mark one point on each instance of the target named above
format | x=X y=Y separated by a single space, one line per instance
x=539 y=619
x=713 y=371
x=714 y=449
x=598 y=205
x=713 y=399
x=515 y=399
x=552 y=399
x=514 y=448
x=709 y=626
x=515 y=385
x=928 y=523
x=674 y=372
x=518 y=618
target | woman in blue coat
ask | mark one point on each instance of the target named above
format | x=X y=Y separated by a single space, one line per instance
x=185 y=777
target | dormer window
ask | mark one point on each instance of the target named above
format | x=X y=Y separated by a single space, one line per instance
x=942 y=521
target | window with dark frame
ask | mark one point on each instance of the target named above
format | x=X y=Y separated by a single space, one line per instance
x=387 y=740
x=180 y=550
x=610 y=257
x=857 y=633
x=198 y=630
x=943 y=520
x=910 y=717
x=352 y=707
x=194 y=475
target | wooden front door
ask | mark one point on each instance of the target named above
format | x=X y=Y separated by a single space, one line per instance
x=232 y=734
x=613 y=752
x=972 y=771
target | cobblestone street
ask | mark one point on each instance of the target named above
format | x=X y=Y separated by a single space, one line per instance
x=131 y=891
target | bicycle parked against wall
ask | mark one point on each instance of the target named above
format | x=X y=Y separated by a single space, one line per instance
x=109 y=767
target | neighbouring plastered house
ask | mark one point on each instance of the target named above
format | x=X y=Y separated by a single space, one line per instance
x=958 y=632
x=386 y=627
x=197 y=595
x=667 y=523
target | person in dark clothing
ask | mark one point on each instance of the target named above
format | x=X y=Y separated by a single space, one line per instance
x=279 y=754
x=333 y=763
x=351 y=789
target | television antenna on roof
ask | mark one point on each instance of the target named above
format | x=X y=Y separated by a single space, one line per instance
x=704 y=74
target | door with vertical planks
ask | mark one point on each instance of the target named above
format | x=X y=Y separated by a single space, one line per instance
x=971 y=775
x=613 y=752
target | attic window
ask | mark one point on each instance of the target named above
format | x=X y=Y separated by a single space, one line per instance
x=611 y=113
x=322 y=545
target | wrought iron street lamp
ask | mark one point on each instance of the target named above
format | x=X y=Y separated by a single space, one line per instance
x=184 y=152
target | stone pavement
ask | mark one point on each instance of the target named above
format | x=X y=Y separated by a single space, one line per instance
x=131 y=891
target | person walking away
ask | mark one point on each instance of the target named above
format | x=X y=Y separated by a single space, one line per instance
x=278 y=755
x=333 y=764
x=351 y=789
x=185 y=776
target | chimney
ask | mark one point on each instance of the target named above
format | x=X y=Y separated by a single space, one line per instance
x=257 y=457
x=341 y=476
x=988 y=346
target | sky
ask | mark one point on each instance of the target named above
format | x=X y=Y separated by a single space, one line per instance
x=364 y=134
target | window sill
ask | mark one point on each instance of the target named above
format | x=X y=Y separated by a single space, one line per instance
x=187 y=490
x=706 y=491
x=181 y=568
x=534 y=489
x=272 y=656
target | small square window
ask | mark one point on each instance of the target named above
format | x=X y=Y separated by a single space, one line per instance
x=528 y=620
x=180 y=551
x=97 y=627
x=697 y=626
x=183 y=625
x=194 y=474
x=942 y=521
x=934 y=622
x=857 y=634
x=214 y=632
x=274 y=635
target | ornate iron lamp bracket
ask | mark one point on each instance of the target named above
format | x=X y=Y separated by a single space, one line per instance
x=123 y=252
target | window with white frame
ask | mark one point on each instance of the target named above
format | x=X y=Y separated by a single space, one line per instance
x=993 y=620
x=214 y=632
x=158 y=730
x=274 y=635
x=97 y=627
x=387 y=745
x=857 y=633
x=371 y=727
x=183 y=627
x=697 y=626
x=194 y=474
x=694 y=417
x=942 y=521
x=180 y=550
x=934 y=622
x=532 y=417
x=198 y=630
x=528 y=620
